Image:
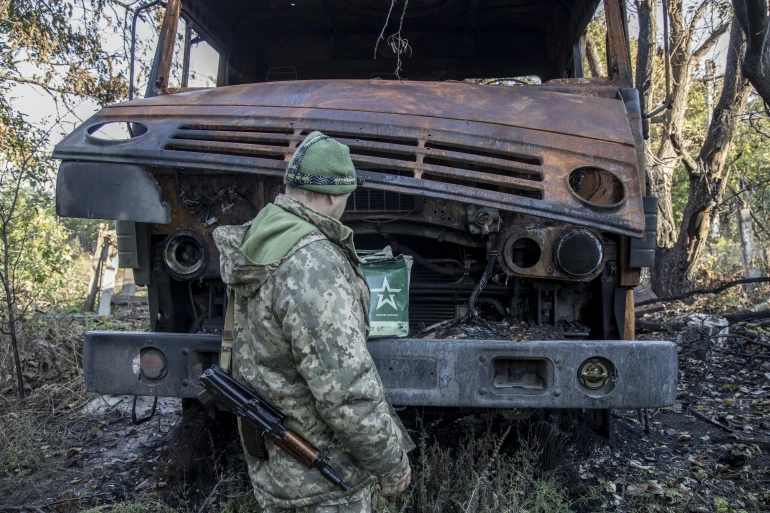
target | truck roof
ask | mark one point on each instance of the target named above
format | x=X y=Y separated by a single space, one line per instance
x=448 y=39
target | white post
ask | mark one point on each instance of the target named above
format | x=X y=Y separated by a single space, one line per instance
x=107 y=288
x=129 y=286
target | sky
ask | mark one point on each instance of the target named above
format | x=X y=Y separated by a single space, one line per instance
x=40 y=108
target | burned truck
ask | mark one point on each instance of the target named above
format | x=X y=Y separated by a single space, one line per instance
x=523 y=205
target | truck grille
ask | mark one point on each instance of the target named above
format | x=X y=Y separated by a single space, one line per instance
x=433 y=160
x=260 y=143
x=422 y=315
x=367 y=200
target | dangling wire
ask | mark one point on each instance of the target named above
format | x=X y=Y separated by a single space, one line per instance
x=488 y=271
x=397 y=44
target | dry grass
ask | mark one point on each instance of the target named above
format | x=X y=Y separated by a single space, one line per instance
x=19 y=450
x=479 y=475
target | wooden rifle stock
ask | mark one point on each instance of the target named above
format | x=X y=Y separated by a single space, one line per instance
x=300 y=449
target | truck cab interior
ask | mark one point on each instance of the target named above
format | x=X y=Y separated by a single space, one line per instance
x=355 y=39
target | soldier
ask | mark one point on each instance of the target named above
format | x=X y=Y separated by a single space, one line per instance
x=301 y=324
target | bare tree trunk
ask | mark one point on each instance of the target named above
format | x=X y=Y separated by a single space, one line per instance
x=710 y=71
x=595 y=62
x=10 y=311
x=675 y=267
x=753 y=17
x=645 y=55
x=667 y=158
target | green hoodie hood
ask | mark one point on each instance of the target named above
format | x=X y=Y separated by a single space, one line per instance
x=251 y=253
x=273 y=233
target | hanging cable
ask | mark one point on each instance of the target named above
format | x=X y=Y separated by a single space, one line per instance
x=488 y=271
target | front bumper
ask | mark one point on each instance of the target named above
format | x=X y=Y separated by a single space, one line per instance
x=423 y=372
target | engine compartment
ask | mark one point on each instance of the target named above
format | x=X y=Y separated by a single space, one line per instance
x=530 y=285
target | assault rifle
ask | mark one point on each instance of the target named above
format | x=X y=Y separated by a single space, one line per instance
x=267 y=421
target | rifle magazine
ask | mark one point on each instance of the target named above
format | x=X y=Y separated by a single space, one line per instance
x=253 y=441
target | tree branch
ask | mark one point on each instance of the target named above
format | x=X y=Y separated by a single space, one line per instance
x=717 y=290
x=710 y=41
x=698 y=15
x=689 y=163
x=128 y=7
x=595 y=62
x=31 y=81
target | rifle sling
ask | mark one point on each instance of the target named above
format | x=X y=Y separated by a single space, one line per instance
x=253 y=441
x=226 y=354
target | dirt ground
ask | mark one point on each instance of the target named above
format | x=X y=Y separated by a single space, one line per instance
x=707 y=453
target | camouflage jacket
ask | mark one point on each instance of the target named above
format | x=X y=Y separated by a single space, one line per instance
x=300 y=335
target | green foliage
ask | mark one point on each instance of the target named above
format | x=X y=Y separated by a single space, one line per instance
x=722 y=505
x=69 y=57
x=34 y=247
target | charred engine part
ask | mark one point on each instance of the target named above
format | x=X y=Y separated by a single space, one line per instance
x=208 y=299
x=196 y=195
x=185 y=256
x=547 y=304
x=536 y=249
x=442 y=278
x=608 y=285
x=553 y=305
x=448 y=271
x=579 y=253
x=488 y=271
x=497 y=305
x=414 y=229
x=483 y=220
x=480 y=286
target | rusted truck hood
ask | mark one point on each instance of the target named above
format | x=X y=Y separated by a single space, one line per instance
x=512 y=148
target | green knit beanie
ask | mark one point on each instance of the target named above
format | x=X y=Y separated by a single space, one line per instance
x=323 y=165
